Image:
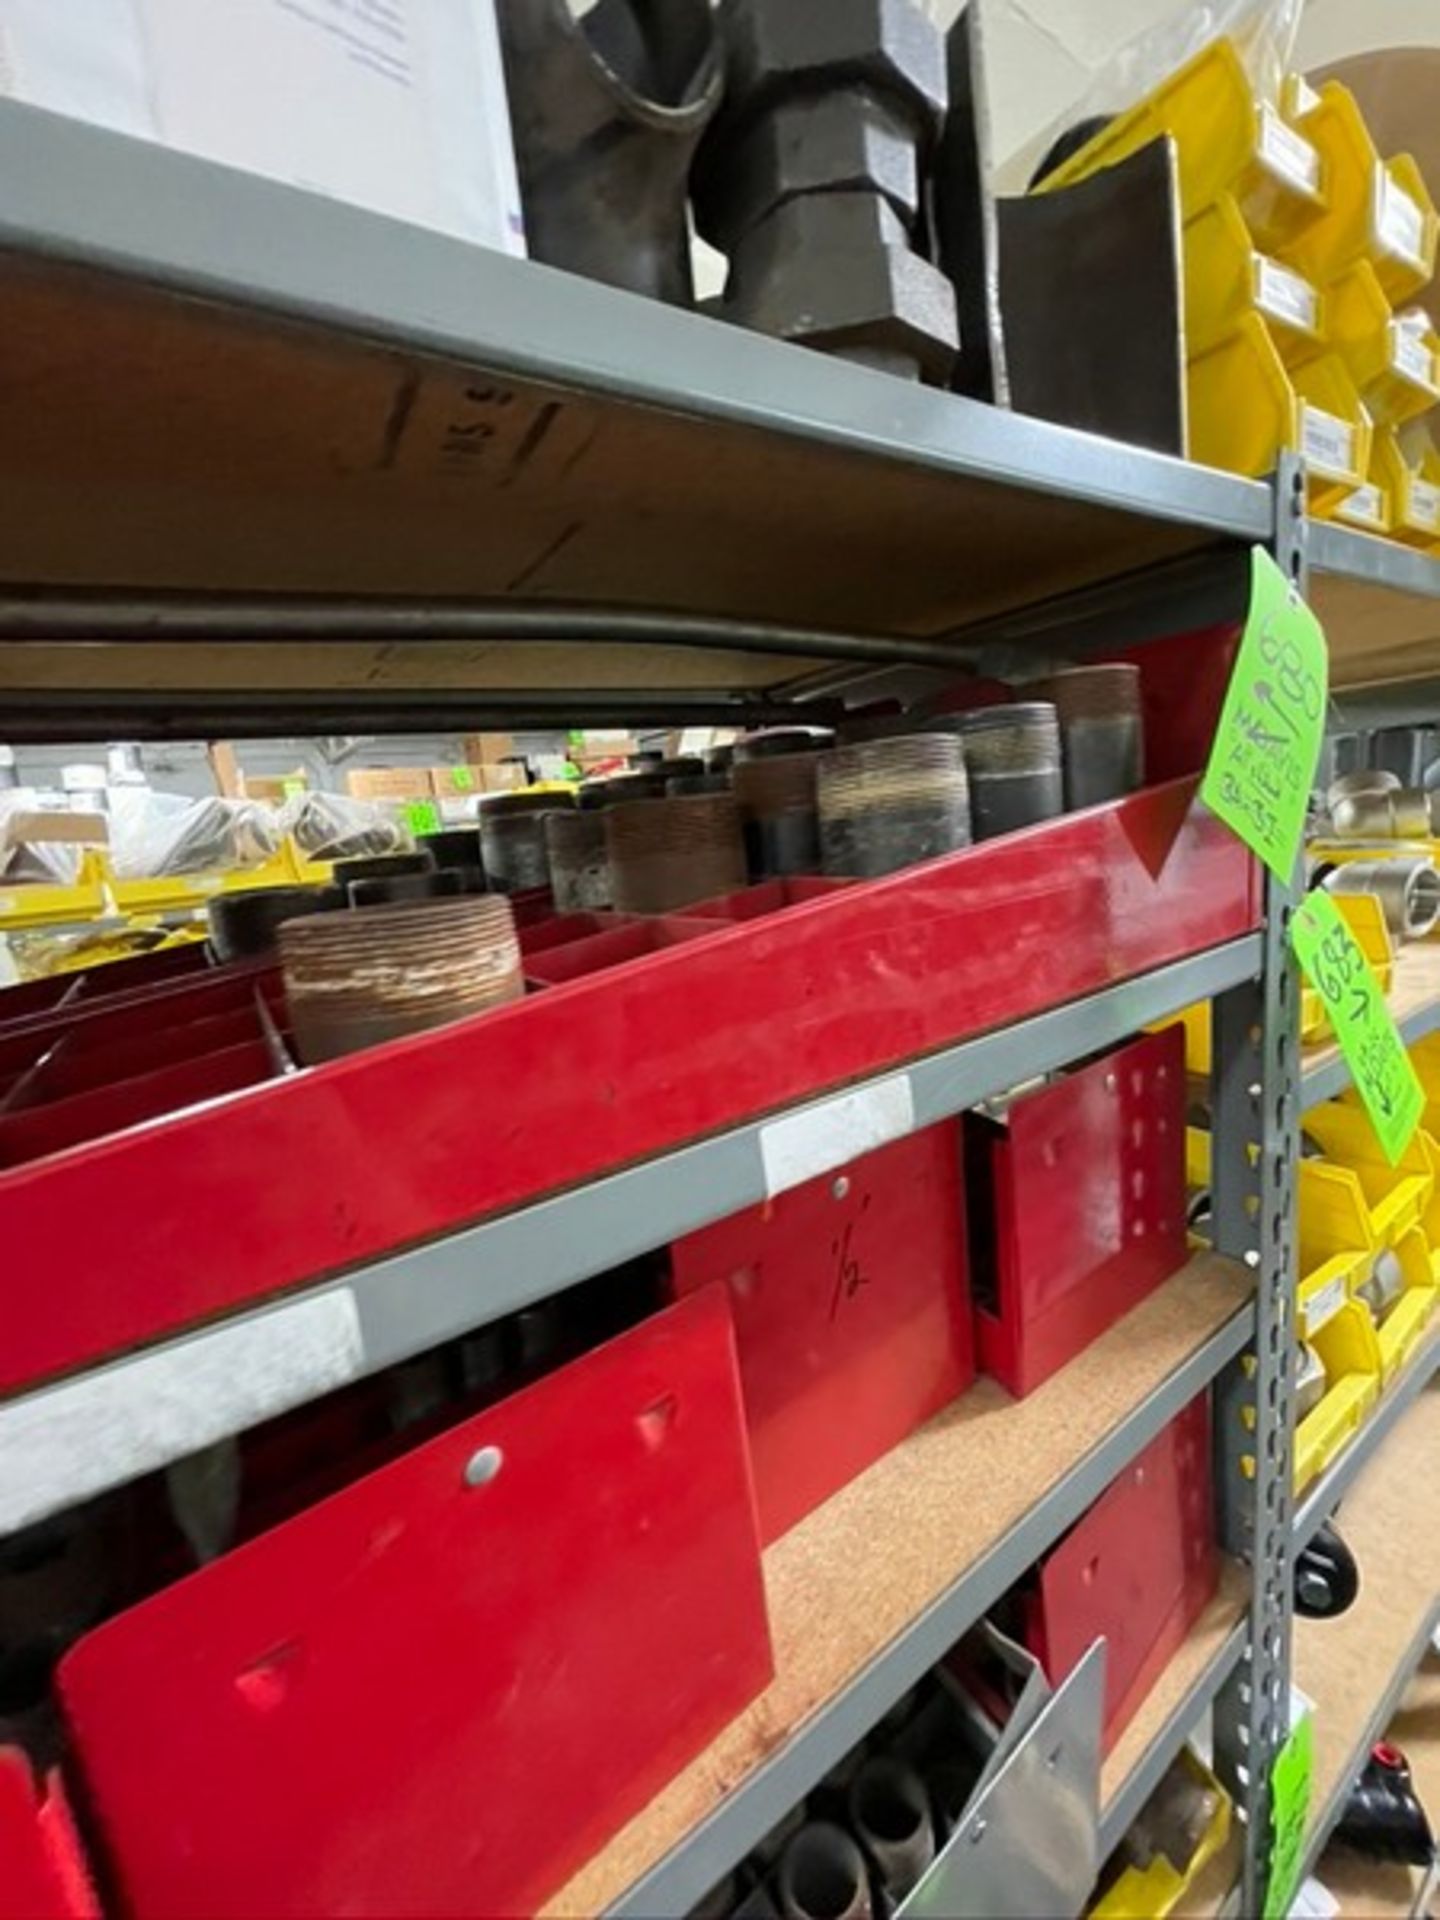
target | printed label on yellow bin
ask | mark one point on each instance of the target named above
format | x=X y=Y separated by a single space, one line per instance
x=1337 y=968
x=1267 y=746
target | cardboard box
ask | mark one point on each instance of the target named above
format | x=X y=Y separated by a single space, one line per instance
x=605 y=747
x=57 y=827
x=389 y=783
x=507 y=778
x=229 y=780
x=401 y=108
x=451 y=783
x=484 y=749
x=273 y=790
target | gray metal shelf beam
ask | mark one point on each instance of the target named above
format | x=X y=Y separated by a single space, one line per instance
x=1348 y=555
x=78 y=194
x=157 y=1405
x=459 y=430
x=1119 y=1811
x=744 y=1817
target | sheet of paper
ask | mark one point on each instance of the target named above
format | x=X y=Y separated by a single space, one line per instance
x=81 y=57
x=398 y=106
x=384 y=103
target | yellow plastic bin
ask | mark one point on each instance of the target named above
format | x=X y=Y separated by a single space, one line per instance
x=1246 y=407
x=1376 y=210
x=1407 y=464
x=1369 y=509
x=1154 y=1892
x=1227 y=276
x=1398 y=1197
x=1343 y=1334
x=1390 y=357
x=1367 y=1208
x=1227 y=142
x=1377 y=507
x=1425 y=1058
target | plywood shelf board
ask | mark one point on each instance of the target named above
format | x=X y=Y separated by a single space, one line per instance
x=1375 y=633
x=1345 y=1665
x=856 y=1574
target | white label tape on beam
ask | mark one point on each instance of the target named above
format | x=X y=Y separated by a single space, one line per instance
x=67 y=1442
x=817 y=1139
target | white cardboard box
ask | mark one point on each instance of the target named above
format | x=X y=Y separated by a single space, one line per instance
x=395 y=105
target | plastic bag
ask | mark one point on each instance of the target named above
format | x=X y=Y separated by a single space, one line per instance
x=156 y=834
x=330 y=826
x=1264 y=33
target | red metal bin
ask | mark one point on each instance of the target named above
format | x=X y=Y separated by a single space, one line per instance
x=852 y=1315
x=1139 y=1568
x=1077 y=1206
x=441 y=1690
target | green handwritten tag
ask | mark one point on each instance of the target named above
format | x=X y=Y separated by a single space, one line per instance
x=1290 y=1780
x=1267 y=746
x=1337 y=968
x=422 y=816
x=462 y=779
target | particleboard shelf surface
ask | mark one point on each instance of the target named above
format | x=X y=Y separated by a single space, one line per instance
x=852 y=1577
x=1388 y=1521
x=1416 y=990
x=1202 y=1647
x=1370 y=1890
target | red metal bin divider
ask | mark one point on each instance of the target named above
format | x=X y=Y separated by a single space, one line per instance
x=852 y=1315
x=304 y=1177
x=1139 y=1568
x=1077 y=1206
x=89 y=987
x=150 y=1008
x=44 y=1874
x=443 y=1689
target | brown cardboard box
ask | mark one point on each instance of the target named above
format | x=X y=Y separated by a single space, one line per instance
x=229 y=780
x=508 y=777
x=607 y=747
x=456 y=783
x=60 y=828
x=389 y=783
x=481 y=749
x=273 y=790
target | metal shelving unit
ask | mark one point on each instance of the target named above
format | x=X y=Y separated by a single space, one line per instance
x=465 y=435
x=1120 y=1808
x=223 y=1378
x=1380 y=602
x=1358 y=1667
x=688 y=1872
x=485 y=454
